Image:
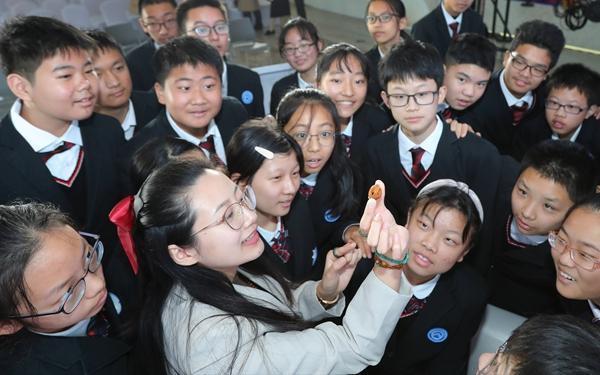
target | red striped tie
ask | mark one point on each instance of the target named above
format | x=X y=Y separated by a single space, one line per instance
x=417 y=171
x=454 y=27
x=62 y=148
x=518 y=111
x=209 y=145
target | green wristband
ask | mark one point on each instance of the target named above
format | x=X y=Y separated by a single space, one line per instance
x=392 y=260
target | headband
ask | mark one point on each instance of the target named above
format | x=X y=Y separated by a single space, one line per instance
x=455 y=184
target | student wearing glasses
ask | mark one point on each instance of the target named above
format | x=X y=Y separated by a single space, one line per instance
x=299 y=45
x=207 y=20
x=157 y=19
x=55 y=311
x=514 y=95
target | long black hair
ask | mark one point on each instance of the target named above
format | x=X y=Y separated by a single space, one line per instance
x=164 y=216
x=345 y=174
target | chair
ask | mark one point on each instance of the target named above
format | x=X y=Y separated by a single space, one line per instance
x=128 y=35
x=243 y=36
x=115 y=12
x=496 y=327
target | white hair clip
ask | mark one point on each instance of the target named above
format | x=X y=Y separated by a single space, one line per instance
x=264 y=152
x=460 y=186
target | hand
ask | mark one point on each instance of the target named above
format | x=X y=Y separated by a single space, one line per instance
x=461 y=129
x=596 y=113
x=353 y=235
x=339 y=268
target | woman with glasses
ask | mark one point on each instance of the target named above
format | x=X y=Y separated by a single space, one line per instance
x=299 y=45
x=53 y=296
x=212 y=306
x=386 y=21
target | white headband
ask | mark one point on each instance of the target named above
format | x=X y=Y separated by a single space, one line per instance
x=456 y=184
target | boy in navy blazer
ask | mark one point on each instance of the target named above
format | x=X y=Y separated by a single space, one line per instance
x=514 y=95
x=446 y=22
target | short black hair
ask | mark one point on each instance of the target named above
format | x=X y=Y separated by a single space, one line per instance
x=104 y=41
x=566 y=163
x=542 y=35
x=576 y=76
x=144 y=3
x=185 y=50
x=184 y=8
x=411 y=60
x=25 y=42
x=339 y=54
x=470 y=48
x=306 y=29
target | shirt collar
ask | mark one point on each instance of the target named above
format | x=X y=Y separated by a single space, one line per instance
x=510 y=98
x=311 y=179
x=212 y=130
x=381 y=54
x=573 y=137
x=224 y=80
x=78 y=330
x=449 y=19
x=302 y=83
x=531 y=240
x=422 y=291
x=41 y=140
x=429 y=144
x=130 y=119
x=267 y=234
x=348 y=130
x=595 y=309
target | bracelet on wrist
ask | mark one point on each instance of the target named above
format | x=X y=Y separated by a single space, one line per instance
x=387 y=259
x=383 y=264
x=328 y=303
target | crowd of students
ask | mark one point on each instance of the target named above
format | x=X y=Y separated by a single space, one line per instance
x=153 y=220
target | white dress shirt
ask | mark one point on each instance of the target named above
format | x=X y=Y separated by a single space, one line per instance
x=213 y=130
x=429 y=145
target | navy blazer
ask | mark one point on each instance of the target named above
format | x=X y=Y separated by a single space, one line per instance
x=492 y=117
x=280 y=88
x=368 y=121
x=139 y=62
x=433 y=28
x=437 y=340
x=244 y=85
x=471 y=160
x=374 y=89
x=145 y=107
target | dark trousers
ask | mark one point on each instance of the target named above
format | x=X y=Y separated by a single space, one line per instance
x=258 y=25
x=300 y=8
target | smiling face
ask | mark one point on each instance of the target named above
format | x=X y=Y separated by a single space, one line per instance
x=538 y=204
x=466 y=83
x=520 y=82
x=220 y=247
x=115 y=82
x=64 y=89
x=580 y=232
x=154 y=14
x=345 y=83
x=312 y=120
x=275 y=185
x=208 y=16
x=55 y=268
x=435 y=242
x=192 y=95
x=385 y=34
x=301 y=61
x=562 y=123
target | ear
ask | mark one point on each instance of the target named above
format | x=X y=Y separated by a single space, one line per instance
x=183 y=257
x=505 y=59
x=442 y=94
x=592 y=111
x=20 y=86
x=385 y=99
x=403 y=23
x=465 y=252
x=142 y=25
x=8 y=327
x=160 y=93
x=320 y=45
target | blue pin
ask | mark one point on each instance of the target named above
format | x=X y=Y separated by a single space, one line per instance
x=330 y=217
x=437 y=335
x=247 y=97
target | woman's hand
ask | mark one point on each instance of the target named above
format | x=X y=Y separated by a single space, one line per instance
x=339 y=266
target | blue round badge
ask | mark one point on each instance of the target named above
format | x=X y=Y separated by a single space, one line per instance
x=330 y=217
x=437 y=335
x=247 y=97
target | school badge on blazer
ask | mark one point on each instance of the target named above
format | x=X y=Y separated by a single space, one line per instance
x=330 y=217
x=437 y=335
x=247 y=97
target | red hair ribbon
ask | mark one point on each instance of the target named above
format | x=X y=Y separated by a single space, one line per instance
x=123 y=217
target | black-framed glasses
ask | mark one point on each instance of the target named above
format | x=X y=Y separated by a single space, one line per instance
x=521 y=64
x=202 y=30
x=584 y=260
x=155 y=26
x=234 y=213
x=383 y=18
x=302 y=48
x=325 y=137
x=569 y=108
x=420 y=98
x=72 y=298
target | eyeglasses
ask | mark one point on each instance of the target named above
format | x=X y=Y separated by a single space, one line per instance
x=383 y=18
x=234 y=213
x=421 y=98
x=203 y=31
x=71 y=299
x=494 y=364
x=582 y=259
x=325 y=137
x=302 y=48
x=521 y=64
x=570 y=109
x=167 y=24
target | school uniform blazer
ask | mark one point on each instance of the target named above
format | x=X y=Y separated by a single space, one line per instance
x=139 y=62
x=244 y=85
x=45 y=355
x=453 y=310
x=374 y=88
x=302 y=244
x=471 y=160
x=368 y=121
x=492 y=117
x=579 y=308
x=327 y=348
x=280 y=88
x=145 y=107
x=433 y=28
